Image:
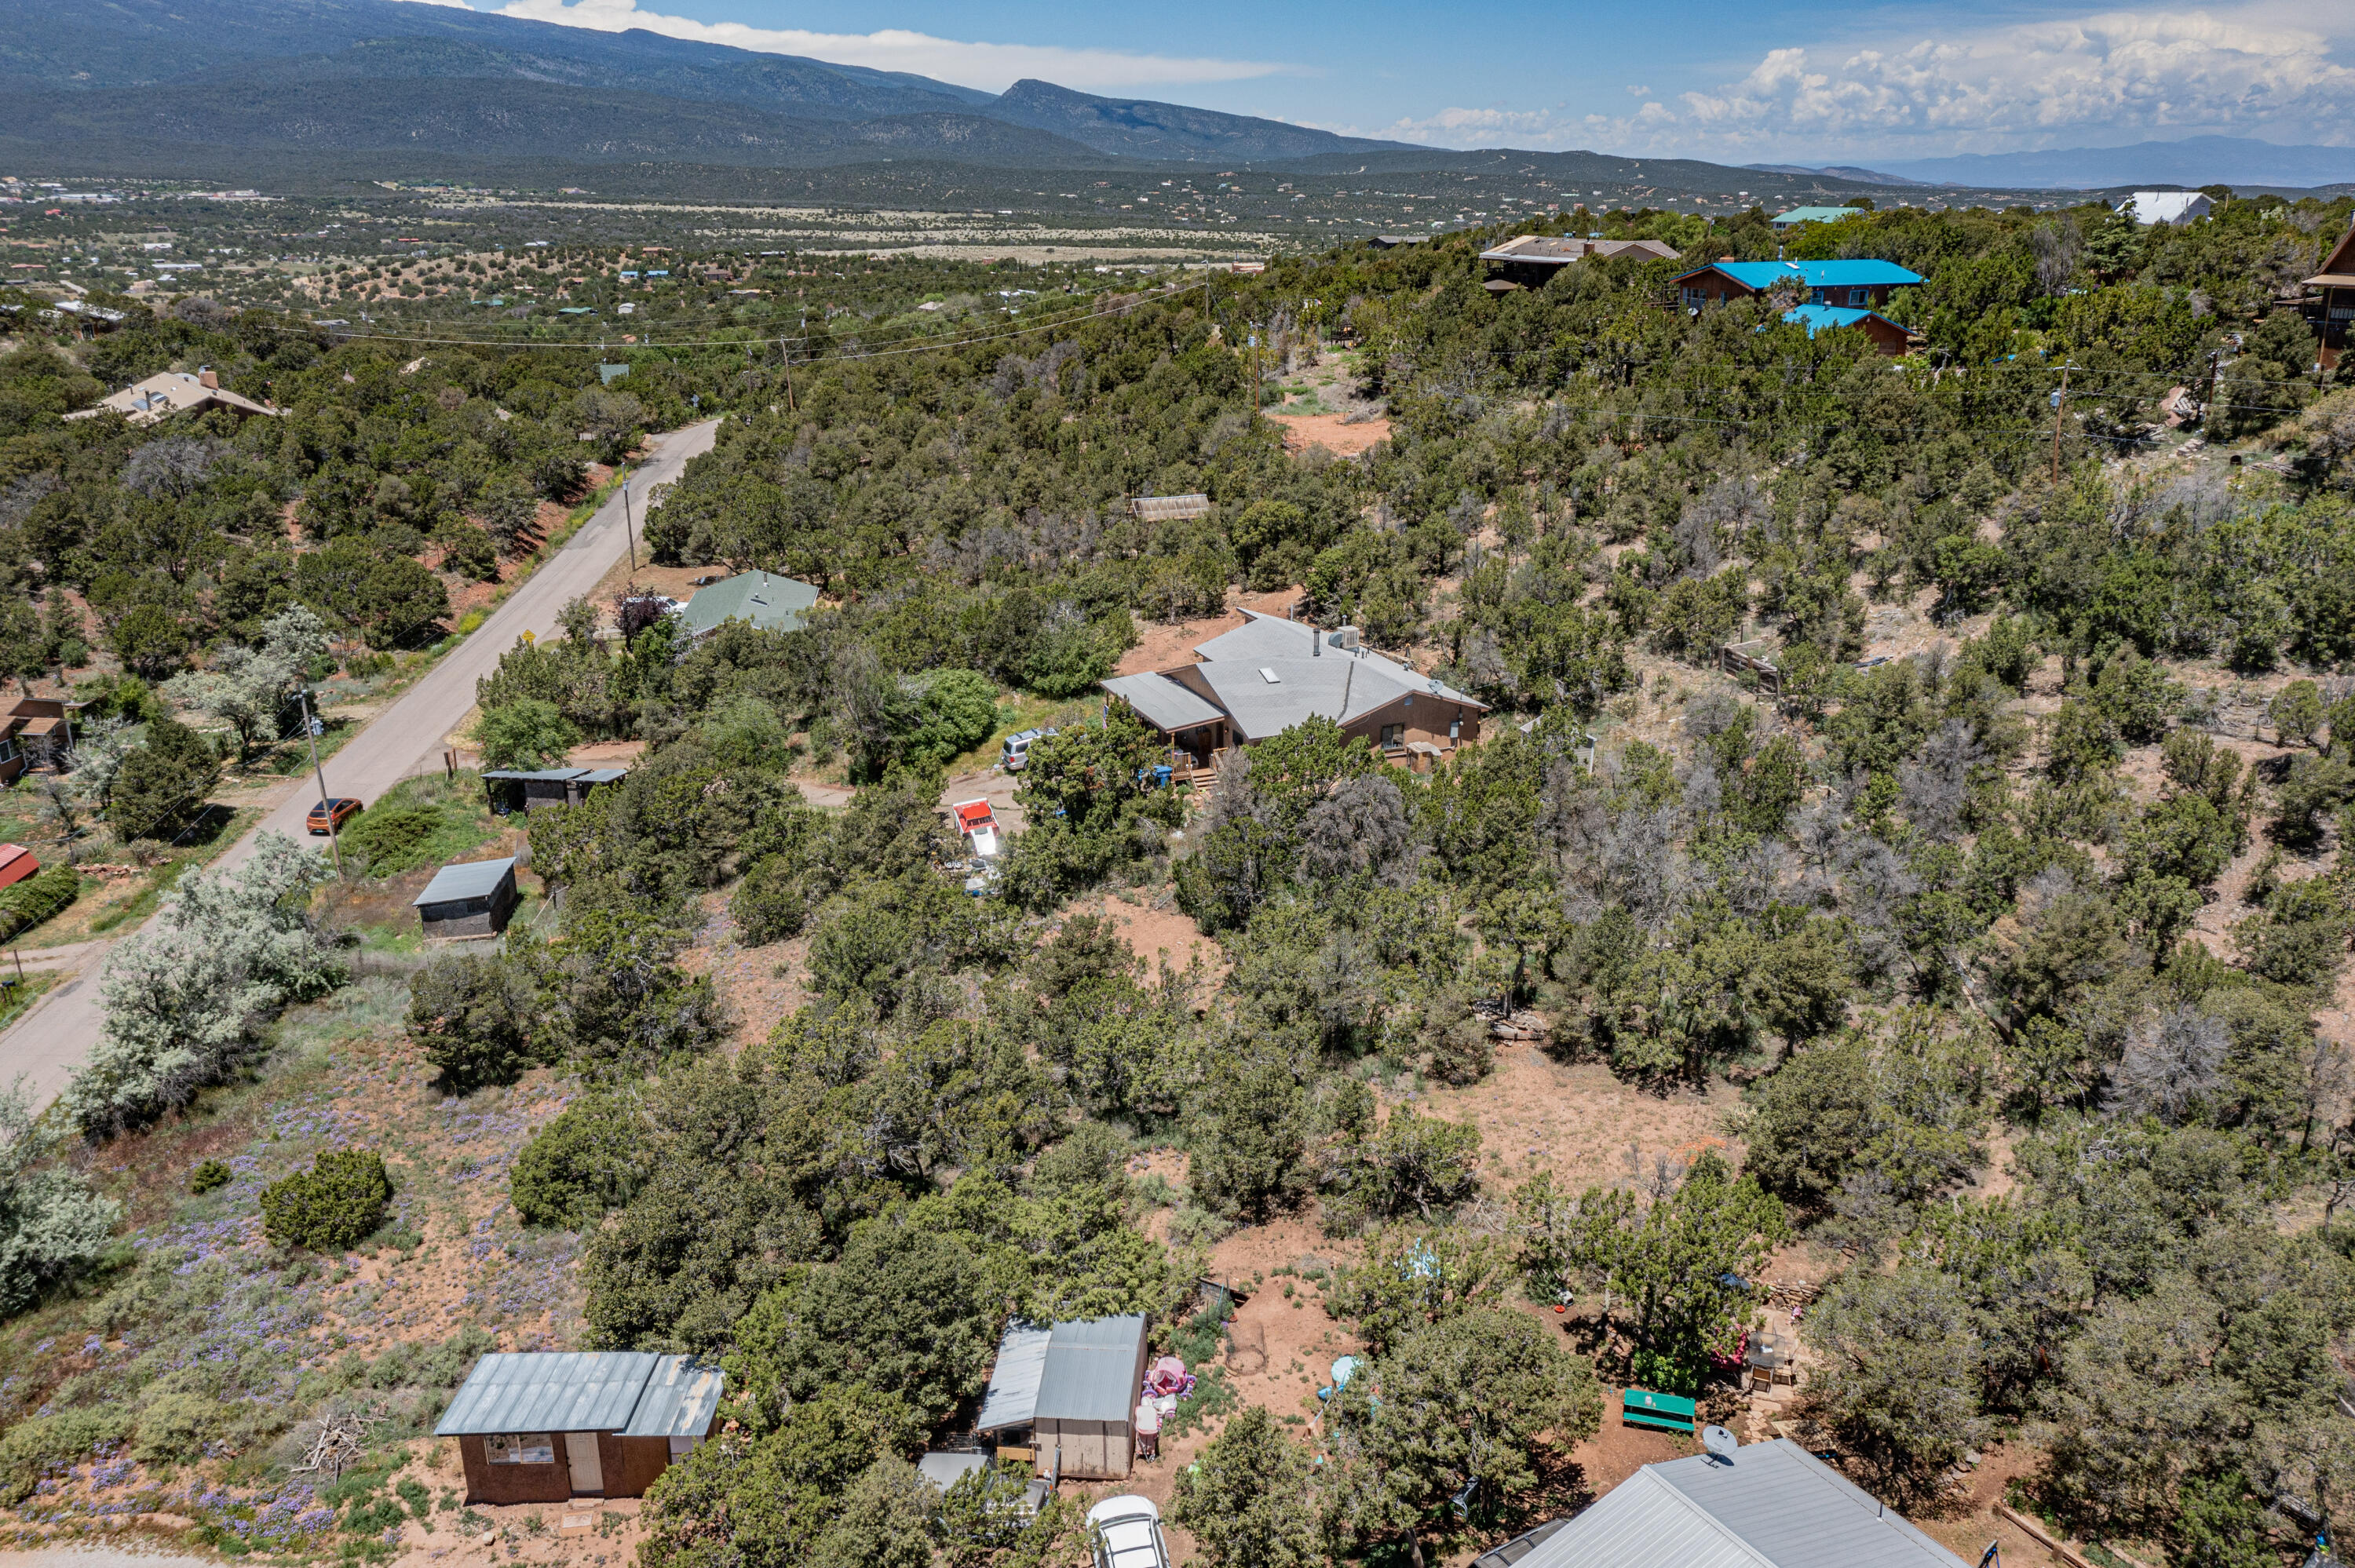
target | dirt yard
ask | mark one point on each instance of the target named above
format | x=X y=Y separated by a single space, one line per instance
x=1331 y=431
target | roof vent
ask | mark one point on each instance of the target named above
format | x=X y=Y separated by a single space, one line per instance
x=1270 y=676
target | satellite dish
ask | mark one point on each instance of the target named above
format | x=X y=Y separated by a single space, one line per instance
x=1720 y=1443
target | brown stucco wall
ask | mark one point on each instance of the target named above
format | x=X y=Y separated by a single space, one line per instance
x=489 y=1483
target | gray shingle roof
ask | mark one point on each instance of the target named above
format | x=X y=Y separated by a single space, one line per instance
x=1774 y=1505
x=455 y=883
x=1162 y=703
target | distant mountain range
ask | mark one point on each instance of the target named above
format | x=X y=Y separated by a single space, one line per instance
x=178 y=88
x=350 y=75
x=2194 y=161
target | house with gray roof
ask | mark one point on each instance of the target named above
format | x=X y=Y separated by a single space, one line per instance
x=1268 y=675
x=550 y=1426
x=1072 y=1388
x=770 y=603
x=1761 y=1505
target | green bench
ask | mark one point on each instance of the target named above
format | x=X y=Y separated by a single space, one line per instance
x=1642 y=1407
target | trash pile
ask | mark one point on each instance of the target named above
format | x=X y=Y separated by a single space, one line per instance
x=1167 y=1381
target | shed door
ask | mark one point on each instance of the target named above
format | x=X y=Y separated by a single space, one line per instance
x=581 y=1447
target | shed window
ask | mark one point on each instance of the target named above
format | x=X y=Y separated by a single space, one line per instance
x=520 y=1448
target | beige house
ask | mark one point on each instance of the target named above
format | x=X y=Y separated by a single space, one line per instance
x=1068 y=1395
x=174 y=392
x=1268 y=675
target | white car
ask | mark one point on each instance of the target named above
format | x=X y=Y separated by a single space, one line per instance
x=1126 y=1532
x=1015 y=751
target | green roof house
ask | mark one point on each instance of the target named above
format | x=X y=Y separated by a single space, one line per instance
x=773 y=604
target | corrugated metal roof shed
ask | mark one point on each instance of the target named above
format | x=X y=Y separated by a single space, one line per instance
x=456 y=884
x=1162 y=703
x=1013 y=1394
x=681 y=1396
x=535 y=776
x=575 y=1390
x=1773 y=1505
x=1091 y=1371
x=1169 y=508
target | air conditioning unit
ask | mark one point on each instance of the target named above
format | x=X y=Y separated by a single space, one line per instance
x=1345 y=638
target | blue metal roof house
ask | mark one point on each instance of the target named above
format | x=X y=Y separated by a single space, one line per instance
x=1853 y=285
x=1886 y=335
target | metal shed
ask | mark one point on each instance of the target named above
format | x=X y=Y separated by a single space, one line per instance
x=513 y=790
x=1169 y=508
x=548 y=1427
x=470 y=900
x=1075 y=1387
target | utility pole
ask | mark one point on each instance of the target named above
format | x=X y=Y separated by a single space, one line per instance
x=2208 y=394
x=311 y=728
x=628 y=527
x=2060 y=408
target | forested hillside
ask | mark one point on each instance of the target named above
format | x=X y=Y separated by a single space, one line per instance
x=1983 y=941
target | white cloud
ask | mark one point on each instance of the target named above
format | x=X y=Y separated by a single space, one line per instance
x=2266 y=70
x=2109 y=78
x=990 y=67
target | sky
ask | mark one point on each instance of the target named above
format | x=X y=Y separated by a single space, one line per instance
x=1729 y=81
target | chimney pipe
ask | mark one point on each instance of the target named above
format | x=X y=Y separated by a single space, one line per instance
x=1315 y=644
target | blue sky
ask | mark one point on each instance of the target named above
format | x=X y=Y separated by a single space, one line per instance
x=1732 y=81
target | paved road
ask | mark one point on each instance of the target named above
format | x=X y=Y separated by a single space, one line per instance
x=49 y=1041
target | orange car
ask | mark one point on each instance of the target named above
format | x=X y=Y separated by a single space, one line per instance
x=329 y=816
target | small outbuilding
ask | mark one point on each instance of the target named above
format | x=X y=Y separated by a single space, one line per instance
x=550 y=1426
x=470 y=900
x=516 y=790
x=16 y=863
x=1072 y=1389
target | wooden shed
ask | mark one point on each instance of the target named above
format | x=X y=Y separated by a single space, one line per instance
x=550 y=1426
x=1072 y=1388
x=470 y=900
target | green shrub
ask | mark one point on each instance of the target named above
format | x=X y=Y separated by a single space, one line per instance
x=32 y=1447
x=205 y=1177
x=473 y=1014
x=582 y=1164
x=773 y=904
x=331 y=1206
x=525 y=732
x=394 y=838
x=44 y=895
